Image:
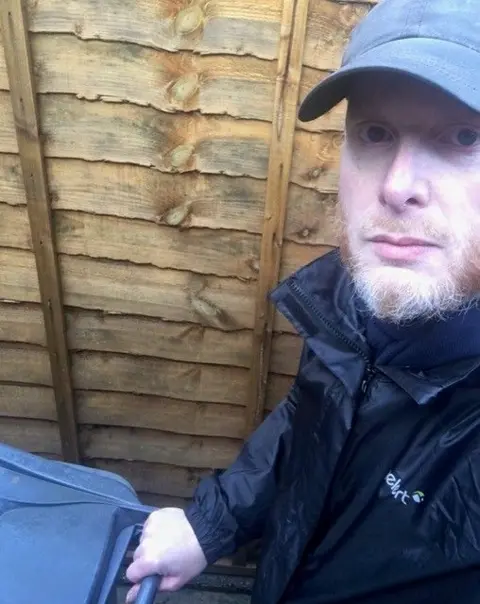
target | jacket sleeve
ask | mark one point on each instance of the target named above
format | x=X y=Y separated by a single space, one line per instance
x=229 y=508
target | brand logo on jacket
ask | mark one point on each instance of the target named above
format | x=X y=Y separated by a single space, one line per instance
x=400 y=493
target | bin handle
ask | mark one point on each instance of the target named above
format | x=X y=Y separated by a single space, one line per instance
x=148 y=590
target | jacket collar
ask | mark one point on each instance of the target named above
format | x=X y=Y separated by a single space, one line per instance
x=320 y=302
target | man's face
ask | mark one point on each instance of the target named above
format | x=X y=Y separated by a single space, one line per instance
x=409 y=198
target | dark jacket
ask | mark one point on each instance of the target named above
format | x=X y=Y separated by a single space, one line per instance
x=364 y=483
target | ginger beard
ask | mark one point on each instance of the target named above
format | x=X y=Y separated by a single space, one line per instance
x=447 y=282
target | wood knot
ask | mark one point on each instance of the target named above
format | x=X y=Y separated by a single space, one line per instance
x=313 y=174
x=189 y=20
x=211 y=314
x=181 y=155
x=177 y=216
x=185 y=87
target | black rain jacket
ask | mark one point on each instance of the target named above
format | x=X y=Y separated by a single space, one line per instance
x=364 y=483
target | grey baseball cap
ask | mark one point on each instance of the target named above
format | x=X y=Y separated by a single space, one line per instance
x=437 y=41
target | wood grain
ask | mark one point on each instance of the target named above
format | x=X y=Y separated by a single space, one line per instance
x=173 y=379
x=159 y=413
x=27 y=402
x=32 y=435
x=25 y=364
x=23 y=98
x=187 y=200
x=153 y=477
x=240 y=28
x=330 y=24
x=151 y=446
x=182 y=81
x=122 y=133
x=223 y=303
x=144 y=336
x=98 y=131
x=291 y=45
x=119 y=288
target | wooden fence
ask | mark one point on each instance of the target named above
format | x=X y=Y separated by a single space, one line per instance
x=154 y=185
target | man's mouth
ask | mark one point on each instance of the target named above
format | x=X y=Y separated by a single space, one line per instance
x=391 y=247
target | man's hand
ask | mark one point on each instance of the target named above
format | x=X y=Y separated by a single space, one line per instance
x=168 y=547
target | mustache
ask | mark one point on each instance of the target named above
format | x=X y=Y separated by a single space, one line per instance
x=435 y=231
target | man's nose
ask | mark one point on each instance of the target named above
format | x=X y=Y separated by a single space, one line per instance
x=404 y=186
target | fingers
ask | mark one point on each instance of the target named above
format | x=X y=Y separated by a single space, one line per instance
x=140 y=568
x=132 y=594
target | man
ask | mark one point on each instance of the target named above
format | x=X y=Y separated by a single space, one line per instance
x=364 y=483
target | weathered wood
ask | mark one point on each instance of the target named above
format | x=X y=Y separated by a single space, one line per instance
x=123 y=444
x=330 y=24
x=220 y=252
x=36 y=436
x=240 y=28
x=98 y=131
x=173 y=379
x=160 y=377
x=184 y=200
x=122 y=133
x=296 y=255
x=144 y=336
x=159 y=413
x=164 y=80
x=12 y=190
x=154 y=477
x=22 y=323
x=28 y=402
x=292 y=37
x=23 y=99
x=25 y=364
x=277 y=388
x=158 y=447
x=223 y=303
x=113 y=288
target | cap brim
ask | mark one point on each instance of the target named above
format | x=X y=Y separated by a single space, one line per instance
x=451 y=67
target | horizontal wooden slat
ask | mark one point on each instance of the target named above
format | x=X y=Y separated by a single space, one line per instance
x=33 y=402
x=91 y=330
x=22 y=323
x=158 y=447
x=154 y=478
x=239 y=87
x=12 y=190
x=15 y=227
x=31 y=435
x=146 y=375
x=122 y=72
x=18 y=276
x=222 y=253
x=97 y=131
x=241 y=28
x=126 y=288
x=40 y=437
x=188 y=200
x=159 y=413
x=25 y=363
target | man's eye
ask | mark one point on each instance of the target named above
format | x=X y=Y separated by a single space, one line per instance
x=375 y=134
x=462 y=137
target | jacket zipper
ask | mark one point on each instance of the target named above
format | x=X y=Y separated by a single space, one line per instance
x=370 y=370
